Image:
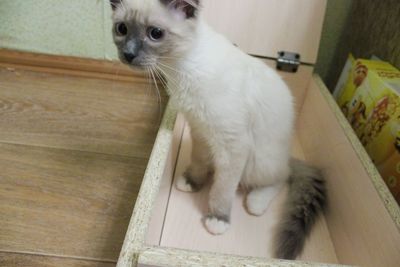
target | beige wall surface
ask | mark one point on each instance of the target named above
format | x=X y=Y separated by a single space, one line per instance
x=83 y=28
x=75 y=27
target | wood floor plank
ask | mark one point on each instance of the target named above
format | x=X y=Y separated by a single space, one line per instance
x=73 y=150
x=79 y=113
x=64 y=202
x=25 y=260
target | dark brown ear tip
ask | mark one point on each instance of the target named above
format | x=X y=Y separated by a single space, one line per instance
x=188 y=7
x=169 y=1
x=115 y=3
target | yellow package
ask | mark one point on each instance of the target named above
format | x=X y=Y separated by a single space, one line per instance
x=369 y=95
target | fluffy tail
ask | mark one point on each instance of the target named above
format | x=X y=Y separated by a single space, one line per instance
x=306 y=201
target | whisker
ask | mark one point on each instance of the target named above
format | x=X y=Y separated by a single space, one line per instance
x=161 y=77
x=158 y=68
x=175 y=59
x=169 y=77
x=159 y=96
x=164 y=57
x=171 y=68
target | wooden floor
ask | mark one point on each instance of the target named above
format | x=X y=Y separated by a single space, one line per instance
x=73 y=150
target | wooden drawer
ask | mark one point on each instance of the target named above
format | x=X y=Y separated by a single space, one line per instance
x=265 y=27
x=361 y=227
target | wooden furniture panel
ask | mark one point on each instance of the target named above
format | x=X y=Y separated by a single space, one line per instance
x=79 y=113
x=248 y=235
x=73 y=66
x=83 y=65
x=362 y=230
x=160 y=207
x=264 y=28
x=170 y=257
x=75 y=140
x=62 y=202
x=27 y=260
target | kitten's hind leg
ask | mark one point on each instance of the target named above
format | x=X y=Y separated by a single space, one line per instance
x=259 y=198
x=200 y=168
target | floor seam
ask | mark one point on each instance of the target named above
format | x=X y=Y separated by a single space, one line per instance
x=58 y=256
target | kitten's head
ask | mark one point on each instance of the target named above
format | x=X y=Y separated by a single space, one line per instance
x=148 y=31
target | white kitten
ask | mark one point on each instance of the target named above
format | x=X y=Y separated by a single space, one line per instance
x=240 y=112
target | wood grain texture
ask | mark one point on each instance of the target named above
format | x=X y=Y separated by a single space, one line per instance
x=72 y=65
x=73 y=152
x=78 y=113
x=382 y=189
x=154 y=232
x=359 y=227
x=170 y=257
x=26 y=260
x=264 y=28
x=362 y=230
x=65 y=202
x=248 y=235
x=135 y=237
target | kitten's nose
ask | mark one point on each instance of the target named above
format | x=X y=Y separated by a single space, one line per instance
x=129 y=57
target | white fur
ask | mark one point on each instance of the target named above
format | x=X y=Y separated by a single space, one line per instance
x=243 y=110
x=240 y=111
x=258 y=200
x=182 y=185
x=238 y=104
x=215 y=226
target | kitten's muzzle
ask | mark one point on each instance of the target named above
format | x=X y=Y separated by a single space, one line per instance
x=129 y=57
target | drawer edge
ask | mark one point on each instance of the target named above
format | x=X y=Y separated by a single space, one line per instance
x=170 y=257
x=141 y=215
x=379 y=184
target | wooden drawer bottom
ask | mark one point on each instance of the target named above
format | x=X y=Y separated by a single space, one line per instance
x=360 y=228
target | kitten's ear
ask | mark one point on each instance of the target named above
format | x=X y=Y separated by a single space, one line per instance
x=188 y=8
x=115 y=4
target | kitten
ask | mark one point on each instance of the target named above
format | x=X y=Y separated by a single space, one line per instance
x=239 y=110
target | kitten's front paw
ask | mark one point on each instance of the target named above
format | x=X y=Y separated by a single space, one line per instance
x=185 y=185
x=216 y=226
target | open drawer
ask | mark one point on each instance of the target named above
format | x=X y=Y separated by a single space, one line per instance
x=360 y=228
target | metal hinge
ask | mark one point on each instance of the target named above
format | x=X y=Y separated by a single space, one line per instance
x=288 y=61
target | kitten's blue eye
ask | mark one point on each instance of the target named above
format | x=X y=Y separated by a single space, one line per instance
x=121 y=29
x=155 y=34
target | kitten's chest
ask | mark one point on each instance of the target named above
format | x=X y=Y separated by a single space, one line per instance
x=192 y=103
x=190 y=96
x=197 y=107
x=203 y=100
